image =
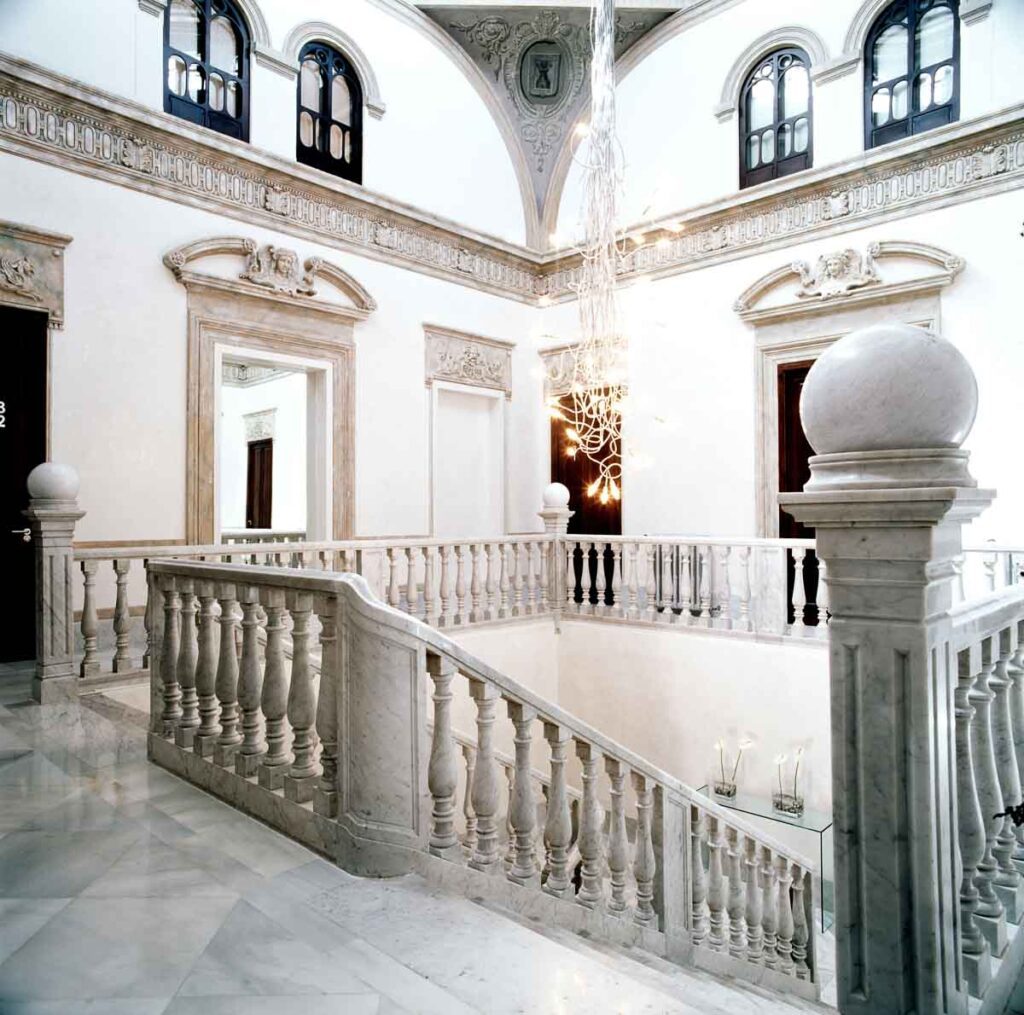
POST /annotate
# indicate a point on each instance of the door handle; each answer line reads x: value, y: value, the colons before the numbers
x: 26, y: 534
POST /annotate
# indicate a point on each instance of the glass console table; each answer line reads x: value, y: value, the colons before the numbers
x: 807, y: 825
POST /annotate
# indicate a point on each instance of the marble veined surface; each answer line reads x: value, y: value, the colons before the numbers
x: 125, y: 891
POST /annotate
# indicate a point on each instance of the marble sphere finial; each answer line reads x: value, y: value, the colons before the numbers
x: 886, y: 388
x: 556, y: 495
x: 50, y: 481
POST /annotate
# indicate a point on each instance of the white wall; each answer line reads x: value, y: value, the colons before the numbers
x: 468, y: 463
x: 437, y: 146
x: 119, y: 364
x: 678, y: 155
x: 287, y: 397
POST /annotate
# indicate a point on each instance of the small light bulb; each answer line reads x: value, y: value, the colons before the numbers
x: 604, y: 496
x: 570, y: 452
x: 592, y: 489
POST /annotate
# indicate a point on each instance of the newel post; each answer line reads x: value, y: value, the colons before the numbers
x: 52, y: 513
x: 556, y: 515
x: 886, y: 409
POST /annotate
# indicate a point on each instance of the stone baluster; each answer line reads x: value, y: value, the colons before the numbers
x: 505, y: 582
x: 990, y: 915
x: 970, y: 833
x: 821, y: 596
x: 989, y: 564
x: 469, y: 839
x: 250, y: 684
x: 394, y: 589
x: 644, y: 862
x: 523, y: 810
x: 510, y: 838
x: 476, y: 585
x: 650, y: 583
x: 517, y: 580
x: 300, y: 782
x: 601, y: 579
x: 618, y: 606
x: 737, y: 902
x: 753, y: 913
x: 801, y: 933
x: 90, y: 622
x: 570, y: 574
x: 491, y: 587
x: 442, y: 774
x: 784, y: 930
x: 1015, y: 671
x: 716, y: 885
x: 744, y: 559
x: 485, y: 780
x: 325, y: 798
x: 618, y: 844
x: 188, y: 651
x: 274, y: 701
x: 1008, y: 879
x: 544, y: 598
x: 206, y: 672
x: 460, y: 584
x: 169, y: 655
x: 226, y: 685
x: 148, y: 614
x: 632, y: 605
x: 122, y: 617
x: 698, y: 878
x: 531, y: 579
x: 591, y: 828
x: 412, y: 590
x: 444, y: 552
x: 685, y: 582
x: 558, y: 826
x: 725, y: 592
x: 429, y: 589
x: 706, y: 565
x: 799, y: 592
x: 769, y: 917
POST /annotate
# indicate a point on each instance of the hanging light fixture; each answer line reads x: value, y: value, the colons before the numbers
x: 592, y: 411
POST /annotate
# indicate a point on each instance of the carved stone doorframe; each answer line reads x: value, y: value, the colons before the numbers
x: 32, y: 278
x: 798, y: 311
x: 271, y: 310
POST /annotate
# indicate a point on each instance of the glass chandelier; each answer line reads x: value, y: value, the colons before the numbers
x: 592, y: 411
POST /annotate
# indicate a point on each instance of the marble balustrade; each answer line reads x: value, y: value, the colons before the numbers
x: 746, y: 585
x: 988, y: 638
x: 593, y: 829
x: 987, y: 568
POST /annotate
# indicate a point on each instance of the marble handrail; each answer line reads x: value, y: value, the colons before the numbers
x: 223, y: 709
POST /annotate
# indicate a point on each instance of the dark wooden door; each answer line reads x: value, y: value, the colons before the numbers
x: 22, y: 448
x: 259, y: 487
x: 590, y: 517
x: 794, y: 471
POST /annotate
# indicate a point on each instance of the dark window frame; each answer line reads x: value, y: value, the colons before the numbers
x: 333, y: 63
x: 798, y: 161
x: 201, y: 113
x: 915, y: 122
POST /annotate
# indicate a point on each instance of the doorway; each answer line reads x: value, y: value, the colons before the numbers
x: 22, y: 447
x: 259, y: 493
x: 795, y: 452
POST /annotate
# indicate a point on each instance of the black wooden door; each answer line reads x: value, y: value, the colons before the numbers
x: 794, y: 471
x: 259, y: 485
x: 22, y: 448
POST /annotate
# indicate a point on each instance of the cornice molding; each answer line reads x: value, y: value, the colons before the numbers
x: 310, y: 31
x: 973, y: 11
x: 60, y: 122
x: 154, y: 7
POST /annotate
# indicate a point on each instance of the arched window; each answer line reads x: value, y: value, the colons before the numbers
x: 206, y: 59
x: 775, y: 117
x: 911, y: 70
x: 329, y: 135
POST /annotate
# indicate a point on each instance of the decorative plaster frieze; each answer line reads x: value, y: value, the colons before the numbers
x: 247, y: 375
x: 464, y: 358
x: 85, y: 130
x: 32, y: 270
x: 55, y: 120
x: 260, y: 426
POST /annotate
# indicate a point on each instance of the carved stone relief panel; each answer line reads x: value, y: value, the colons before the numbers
x: 32, y: 270
x: 260, y: 426
x: 559, y: 367
x: 464, y: 358
x: 538, y: 62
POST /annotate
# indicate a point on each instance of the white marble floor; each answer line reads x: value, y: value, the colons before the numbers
x: 124, y: 891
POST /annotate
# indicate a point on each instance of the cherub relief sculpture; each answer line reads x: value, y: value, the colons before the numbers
x: 838, y: 273
x: 280, y: 269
